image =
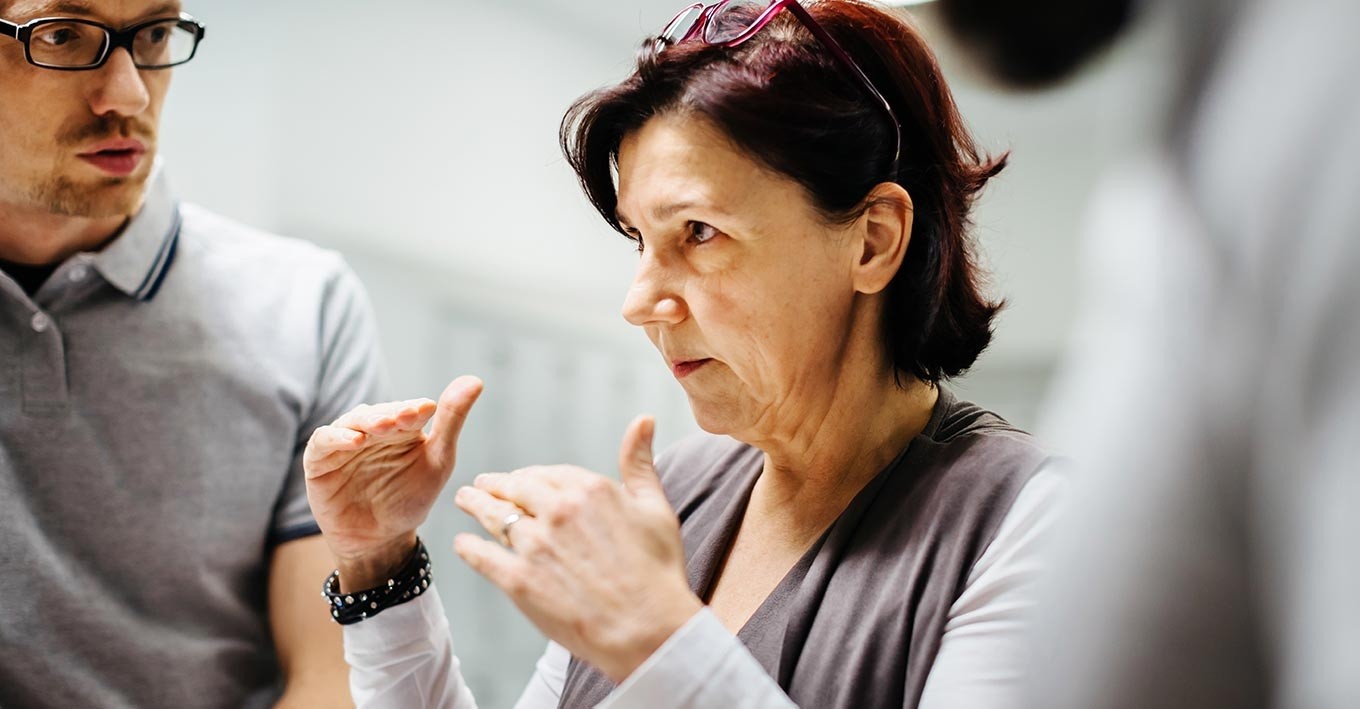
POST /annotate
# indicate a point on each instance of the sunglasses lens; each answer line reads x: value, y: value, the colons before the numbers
x: 733, y: 18
x: 680, y: 27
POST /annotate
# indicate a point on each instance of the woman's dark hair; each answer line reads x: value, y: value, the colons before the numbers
x: 783, y: 98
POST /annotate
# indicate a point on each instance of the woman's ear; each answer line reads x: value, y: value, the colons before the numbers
x: 884, y: 231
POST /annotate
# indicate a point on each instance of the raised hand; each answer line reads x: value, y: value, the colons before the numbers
x: 373, y: 475
x: 598, y: 566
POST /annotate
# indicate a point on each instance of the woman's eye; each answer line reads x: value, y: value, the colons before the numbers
x: 700, y: 232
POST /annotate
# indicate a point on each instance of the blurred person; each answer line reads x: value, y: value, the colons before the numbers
x: 797, y: 182
x: 1212, y: 395
x: 160, y: 371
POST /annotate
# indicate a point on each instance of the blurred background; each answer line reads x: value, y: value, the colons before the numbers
x: 420, y: 140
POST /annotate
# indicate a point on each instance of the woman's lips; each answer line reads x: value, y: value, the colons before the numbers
x: 685, y: 368
x: 116, y: 157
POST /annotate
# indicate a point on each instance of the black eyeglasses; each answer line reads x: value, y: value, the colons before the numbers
x: 69, y: 44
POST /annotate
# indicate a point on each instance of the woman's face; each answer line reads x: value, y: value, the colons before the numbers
x: 741, y: 285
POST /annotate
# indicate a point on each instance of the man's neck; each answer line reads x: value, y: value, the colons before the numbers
x: 37, y: 238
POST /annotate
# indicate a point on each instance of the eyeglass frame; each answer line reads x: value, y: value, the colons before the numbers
x: 115, y: 39
x: 696, y: 31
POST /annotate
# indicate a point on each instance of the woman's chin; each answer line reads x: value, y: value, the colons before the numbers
x: 718, y: 418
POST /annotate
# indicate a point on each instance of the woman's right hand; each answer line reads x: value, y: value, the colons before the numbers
x: 373, y: 475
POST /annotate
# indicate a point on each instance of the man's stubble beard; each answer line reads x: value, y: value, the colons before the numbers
x: 61, y: 194
x: 99, y: 199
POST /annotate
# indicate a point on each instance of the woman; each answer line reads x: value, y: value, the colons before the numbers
x: 797, y: 182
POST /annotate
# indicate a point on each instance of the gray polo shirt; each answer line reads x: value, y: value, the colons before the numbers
x: 155, y: 399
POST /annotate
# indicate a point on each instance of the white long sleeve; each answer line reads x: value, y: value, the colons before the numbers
x: 544, y: 690
x: 404, y: 657
x: 983, y: 653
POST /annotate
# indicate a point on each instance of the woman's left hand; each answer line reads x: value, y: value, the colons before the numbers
x: 597, y: 565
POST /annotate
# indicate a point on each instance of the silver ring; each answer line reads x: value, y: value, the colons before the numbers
x: 507, y: 523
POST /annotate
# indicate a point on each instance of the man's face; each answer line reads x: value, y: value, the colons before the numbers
x: 79, y: 143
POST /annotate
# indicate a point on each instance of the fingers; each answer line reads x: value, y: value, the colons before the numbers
x: 635, y: 459
x: 329, y: 448
x: 496, y: 563
x: 392, y: 418
x: 489, y: 511
x: 532, y: 489
x: 452, y: 413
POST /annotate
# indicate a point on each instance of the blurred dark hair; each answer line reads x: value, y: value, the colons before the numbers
x: 783, y: 99
x: 1036, y: 42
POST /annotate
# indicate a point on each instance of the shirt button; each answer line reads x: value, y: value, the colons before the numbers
x: 78, y: 274
x: 40, y: 322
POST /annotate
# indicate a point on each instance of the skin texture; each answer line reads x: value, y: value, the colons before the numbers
x: 309, y: 645
x: 738, y: 270
x: 53, y: 205
x: 373, y: 475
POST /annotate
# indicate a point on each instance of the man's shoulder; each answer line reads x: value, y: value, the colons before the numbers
x: 224, y: 245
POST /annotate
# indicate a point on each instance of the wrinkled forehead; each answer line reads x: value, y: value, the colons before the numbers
x: 112, y: 12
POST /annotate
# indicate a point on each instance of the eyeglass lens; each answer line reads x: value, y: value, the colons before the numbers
x: 731, y: 19
x: 682, y: 25
x: 72, y: 44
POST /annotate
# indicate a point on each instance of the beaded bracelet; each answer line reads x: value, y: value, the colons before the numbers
x: 349, y: 608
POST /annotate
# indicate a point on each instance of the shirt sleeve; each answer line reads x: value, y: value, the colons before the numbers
x: 403, y: 657
x: 701, y: 665
x: 349, y: 374
x: 544, y: 690
x: 982, y: 654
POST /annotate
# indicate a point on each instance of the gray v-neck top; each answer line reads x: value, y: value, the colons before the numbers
x: 858, y: 620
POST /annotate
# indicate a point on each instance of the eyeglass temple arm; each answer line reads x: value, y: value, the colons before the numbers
x: 9, y: 29
x: 845, y: 60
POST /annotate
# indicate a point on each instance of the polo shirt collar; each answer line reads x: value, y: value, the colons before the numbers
x: 137, y: 260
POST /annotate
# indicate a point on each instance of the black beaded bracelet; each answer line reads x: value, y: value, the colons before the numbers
x: 410, y: 581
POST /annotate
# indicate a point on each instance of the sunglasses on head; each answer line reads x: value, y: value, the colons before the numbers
x: 732, y: 22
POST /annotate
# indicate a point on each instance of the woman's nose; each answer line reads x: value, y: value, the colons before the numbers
x: 653, y: 297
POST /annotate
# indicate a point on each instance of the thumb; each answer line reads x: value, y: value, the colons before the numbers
x: 635, y: 459
x: 449, y: 416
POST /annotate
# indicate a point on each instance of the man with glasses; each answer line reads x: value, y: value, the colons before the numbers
x: 160, y: 371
